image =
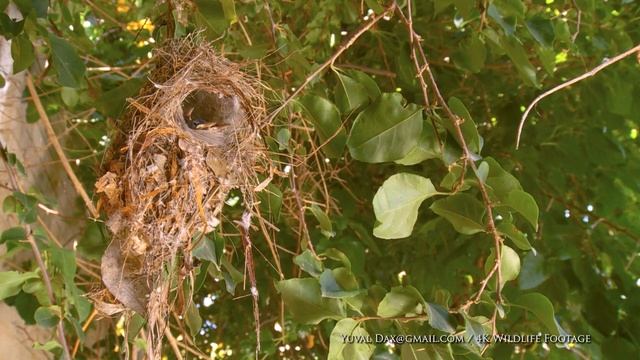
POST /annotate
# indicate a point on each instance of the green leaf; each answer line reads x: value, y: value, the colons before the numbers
x: 474, y: 330
x: 396, y: 204
x: 541, y: 307
x: 471, y: 54
x: 11, y: 282
x: 373, y: 91
x: 211, y: 14
x: 48, y: 316
x: 439, y: 318
x: 229, y: 9
x: 14, y: 233
x: 349, y: 93
x: 282, y: 137
x: 326, y: 120
x: 541, y: 29
x: 511, y: 7
x: 232, y: 276
x: 205, y: 250
x: 10, y: 28
x: 508, y: 23
x: 22, y: 53
x: 525, y: 204
x: 325, y: 224
x: 500, y: 181
x: 386, y: 130
x: 309, y: 263
x: 532, y: 273
x: 518, y: 238
x: 463, y: 211
x: 400, y: 301
x: 341, y: 348
x: 66, y: 62
x: 271, y: 201
x: 193, y: 319
x: 427, y: 147
x: 50, y: 346
x: 338, y: 283
x: 520, y: 59
x: 69, y: 96
x: 41, y: 7
x: 509, y: 264
x: 303, y: 298
x: 112, y: 103
x: 469, y: 130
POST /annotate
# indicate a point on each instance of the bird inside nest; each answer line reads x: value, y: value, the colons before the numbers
x: 203, y: 110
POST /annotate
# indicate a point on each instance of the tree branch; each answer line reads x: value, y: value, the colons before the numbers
x: 58, y: 148
x: 566, y: 84
x: 343, y: 47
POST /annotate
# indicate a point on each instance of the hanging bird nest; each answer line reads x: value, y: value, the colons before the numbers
x: 192, y: 135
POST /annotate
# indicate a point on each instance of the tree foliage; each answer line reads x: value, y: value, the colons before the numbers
x: 423, y: 218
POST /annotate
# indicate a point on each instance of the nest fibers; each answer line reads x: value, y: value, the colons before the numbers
x: 191, y: 136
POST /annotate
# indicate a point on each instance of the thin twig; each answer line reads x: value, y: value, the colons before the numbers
x: 566, y: 84
x: 414, y: 39
x: 343, y: 47
x: 457, y: 121
x: 58, y: 148
x: 173, y: 343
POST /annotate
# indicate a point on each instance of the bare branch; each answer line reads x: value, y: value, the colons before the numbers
x: 51, y: 134
x: 566, y: 84
x: 343, y: 47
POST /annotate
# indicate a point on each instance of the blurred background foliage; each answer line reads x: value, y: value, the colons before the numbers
x: 579, y: 160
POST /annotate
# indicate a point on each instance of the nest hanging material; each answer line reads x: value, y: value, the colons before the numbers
x: 191, y: 136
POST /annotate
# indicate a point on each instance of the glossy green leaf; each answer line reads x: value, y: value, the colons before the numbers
x: 211, y: 14
x: 532, y: 273
x: 469, y: 130
x: 396, y: 204
x: 471, y: 54
x: 14, y: 233
x: 386, y: 130
x: 22, y: 53
x: 68, y: 65
x: 338, y: 283
x: 541, y: 29
x: 350, y: 94
x: 427, y: 147
x: 463, y: 211
x: 516, y: 52
x: 525, y: 204
x: 439, y: 318
x: 205, y: 249
x: 303, y: 299
x: 11, y: 282
x: 541, y: 307
x: 192, y: 319
x: 48, y: 316
x: 309, y: 263
x: 509, y: 264
x: 229, y: 9
x: 341, y: 347
x: 373, y: 91
x: 325, y: 223
x: 326, y: 120
x: 515, y: 235
x: 400, y: 301
x: 500, y: 181
x: 113, y: 102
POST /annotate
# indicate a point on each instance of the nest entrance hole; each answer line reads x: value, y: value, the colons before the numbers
x: 203, y: 110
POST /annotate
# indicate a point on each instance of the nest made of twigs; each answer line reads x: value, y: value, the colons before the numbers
x: 191, y: 136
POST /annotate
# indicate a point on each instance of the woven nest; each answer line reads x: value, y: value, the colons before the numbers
x: 191, y: 136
